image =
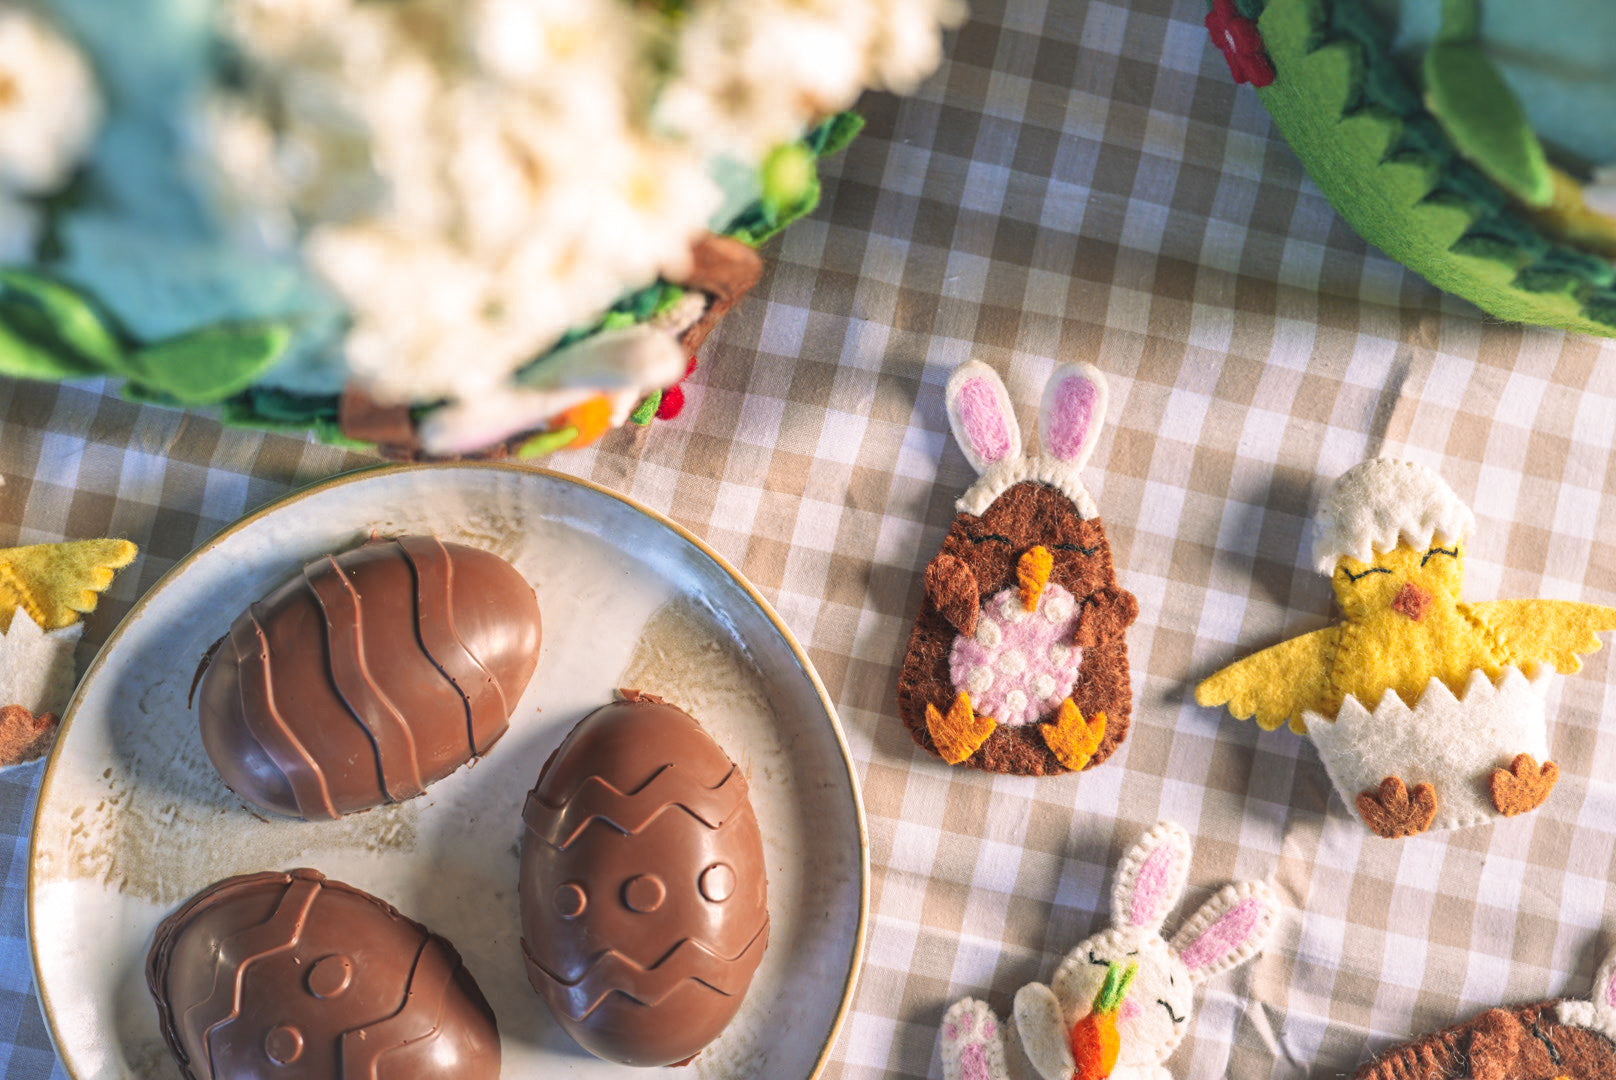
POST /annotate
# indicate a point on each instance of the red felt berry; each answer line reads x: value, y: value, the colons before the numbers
x: 1241, y: 42
x: 673, y: 403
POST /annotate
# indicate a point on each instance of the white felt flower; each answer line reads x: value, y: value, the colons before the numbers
x: 49, y: 106
x: 36, y: 666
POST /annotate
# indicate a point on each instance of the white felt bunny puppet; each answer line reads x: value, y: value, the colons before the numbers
x: 1228, y: 930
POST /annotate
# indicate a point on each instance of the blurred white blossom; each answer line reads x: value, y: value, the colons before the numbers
x: 475, y: 177
x: 49, y: 111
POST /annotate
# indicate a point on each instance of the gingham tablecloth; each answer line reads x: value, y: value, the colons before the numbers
x: 1081, y: 180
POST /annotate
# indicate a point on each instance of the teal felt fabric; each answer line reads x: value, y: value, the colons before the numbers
x: 1559, y: 56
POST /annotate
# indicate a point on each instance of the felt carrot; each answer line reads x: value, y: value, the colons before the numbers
x: 1095, y: 1042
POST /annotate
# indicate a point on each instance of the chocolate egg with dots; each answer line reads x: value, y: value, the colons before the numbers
x: 369, y: 676
x: 643, y: 886
x: 293, y: 976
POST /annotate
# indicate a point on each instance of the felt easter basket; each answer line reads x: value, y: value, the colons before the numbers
x: 1326, y: 73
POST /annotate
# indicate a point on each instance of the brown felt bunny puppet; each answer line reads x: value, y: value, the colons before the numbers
x: 1551, y: 1040
x: 1018, y: 661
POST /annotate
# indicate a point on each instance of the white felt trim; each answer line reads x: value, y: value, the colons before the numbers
x: 1380, y: 503
x: 36, y: 666
x: 967, y: 372
x: 1170, y: 840
x: 1051, y: 434
x: 1599, y: 1012
x: 1237, y: 950
x: 1043, y: 1033
x: 972, y: 1043
x: 1452, y: 742
x: 998, y: 479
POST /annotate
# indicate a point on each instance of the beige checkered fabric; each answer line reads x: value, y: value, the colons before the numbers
x: 1081, y: 180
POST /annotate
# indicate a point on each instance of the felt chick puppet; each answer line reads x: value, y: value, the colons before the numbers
x: 1548, y: 1040
x: 1018, y: 662
x: 1121, y: 1001
x: 1428, y: 712
x: 44, y: 589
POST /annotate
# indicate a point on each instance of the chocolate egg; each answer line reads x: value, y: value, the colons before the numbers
x: 643, y: 888
x: 296, y: 977
x: 369, y: 676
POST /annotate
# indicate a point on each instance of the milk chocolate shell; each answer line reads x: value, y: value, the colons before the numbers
x: 369, y: 676
x: 643, y: 888
x: 296, y: 977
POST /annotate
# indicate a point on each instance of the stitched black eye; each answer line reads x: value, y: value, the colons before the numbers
x: 1372, y: 570
x: 1090, y: 551
x: 1452, y: 551
x: 1177, y: 1019
x: 1096, y: 960
x: 982, y: 538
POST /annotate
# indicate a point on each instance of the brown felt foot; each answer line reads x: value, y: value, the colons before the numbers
x: 1523, y: 786
x: 1072, y: 739
x: 960, y: 731
x: 1395, y: 812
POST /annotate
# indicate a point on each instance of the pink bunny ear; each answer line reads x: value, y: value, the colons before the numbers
x: 1073, y: 410
x: 1151, y: 878
x: 980, y: 413
x: 1230, y: 929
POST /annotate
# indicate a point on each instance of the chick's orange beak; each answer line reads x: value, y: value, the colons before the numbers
x: 1412, y: 601
x: 1032, y: 574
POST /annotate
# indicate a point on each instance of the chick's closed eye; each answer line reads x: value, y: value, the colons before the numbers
x: 1452, y: 552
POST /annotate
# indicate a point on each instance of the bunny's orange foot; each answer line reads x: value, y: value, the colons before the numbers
x: 959, y: 732
x: 1072, y: 739
x: 1395, y: 811
x: 1524, y: 786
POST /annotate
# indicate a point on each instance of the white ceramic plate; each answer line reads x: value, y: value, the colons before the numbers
x: 133, y: 819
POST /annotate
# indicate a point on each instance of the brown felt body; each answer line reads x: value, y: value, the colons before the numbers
x: 1525, y: 1043
x: 1027, y: 515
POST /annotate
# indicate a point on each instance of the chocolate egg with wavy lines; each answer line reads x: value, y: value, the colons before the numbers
x: 369, y: 676
x: 643, y: 885
x: 293, y: 976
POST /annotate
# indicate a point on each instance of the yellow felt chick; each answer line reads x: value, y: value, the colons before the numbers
x: 56, y: 583
x: 1411, y: 654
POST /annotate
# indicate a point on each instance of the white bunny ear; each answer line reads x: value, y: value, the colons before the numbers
x: 980, y: 413
x: 1599, y: 1012
x: 1151, y: 878
x: 1072, y: 411
x: 1230, y: 929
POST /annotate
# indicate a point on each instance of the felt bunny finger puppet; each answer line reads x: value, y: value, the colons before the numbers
x: 1121, y: 1001
x: 1551, y: 1040
x: 1018, y: 661
x: 1428, y: 711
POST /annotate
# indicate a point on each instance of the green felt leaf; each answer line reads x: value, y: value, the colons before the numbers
x: 834, y: 134
x: 546, y: 442
x: 1485, y: 120
x: 56, y: 319
x: 788, y: 173
x: 1417, y: 207
x: 28, y: 349
x: 211, y: 364
x: 645, y: 411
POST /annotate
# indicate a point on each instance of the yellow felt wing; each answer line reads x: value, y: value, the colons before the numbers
x: 1536, y: 632
x: 55, y: 583
x: 1277, y: 684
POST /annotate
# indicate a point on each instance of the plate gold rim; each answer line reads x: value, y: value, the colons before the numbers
x: 353, y: 476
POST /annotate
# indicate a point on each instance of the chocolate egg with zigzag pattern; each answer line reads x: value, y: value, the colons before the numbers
x: 369, y: 676
x: 298, y: 977
x: 643, y: 886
